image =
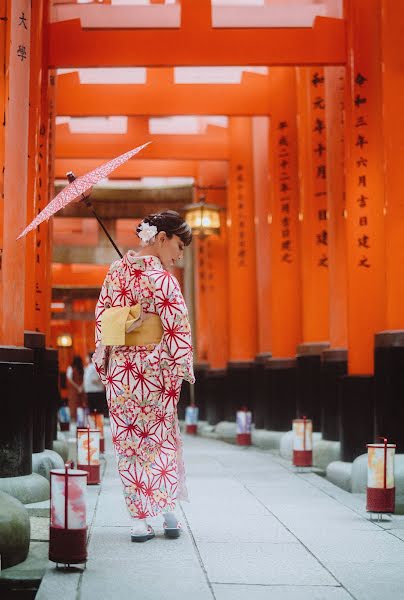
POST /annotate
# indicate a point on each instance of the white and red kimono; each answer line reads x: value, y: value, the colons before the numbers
x: 143, y: 385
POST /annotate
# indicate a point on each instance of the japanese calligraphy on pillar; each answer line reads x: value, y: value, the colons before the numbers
x: 360, y: 158
x: 22, y: 36
x: 284, y: 181
x: 202, y: 266
x: 210, y: 273
x: 202, y: 300
x: 41, y: 231
x: 319, y: 151
x: 241, y: 216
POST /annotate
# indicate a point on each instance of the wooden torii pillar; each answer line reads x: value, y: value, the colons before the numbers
x: 365, y: 204
x: 242, y: 317
x: 314, y: 240
x: 284, y: 305
x: 389, y: 351
x: 16, y: 360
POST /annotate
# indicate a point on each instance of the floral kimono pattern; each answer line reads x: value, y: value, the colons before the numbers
x: 143, y: 385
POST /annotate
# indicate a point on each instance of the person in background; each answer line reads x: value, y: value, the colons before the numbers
x: 94, y: 388
x: 75, y: 390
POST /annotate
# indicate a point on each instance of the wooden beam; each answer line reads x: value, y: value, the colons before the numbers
x: 161, y: 96
x: 135, y: 169
x: 130, y: 203
x: 212, y: 145
x: 197, y: 43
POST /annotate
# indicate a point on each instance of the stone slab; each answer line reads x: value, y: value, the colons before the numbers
x: 262, y: 564
x: 273, y: 592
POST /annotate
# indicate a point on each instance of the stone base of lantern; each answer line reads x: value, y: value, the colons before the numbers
x: 93, y: 473
x: 244, y: 439
x: 302, y: 458
x: 380, y: 500
x: 192, y: 429
x: 67, y: 546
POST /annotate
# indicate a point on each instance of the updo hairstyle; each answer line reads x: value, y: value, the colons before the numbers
x: 172, y: 223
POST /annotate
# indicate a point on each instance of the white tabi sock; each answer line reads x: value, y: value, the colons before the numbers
x: 170, y: 520
x: 139, y: 527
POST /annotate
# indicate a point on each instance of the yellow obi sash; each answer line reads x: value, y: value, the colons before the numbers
x: 129, y: 326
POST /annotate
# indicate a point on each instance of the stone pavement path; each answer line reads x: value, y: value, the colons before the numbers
x: 254, y: 529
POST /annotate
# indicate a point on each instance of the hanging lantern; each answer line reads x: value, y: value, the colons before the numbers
x: 302, y: 442
x: 381, y: 489
x: 191, y: 419
x: 203, y: 218
x: 88, y: 453
x: 243, y: 427
x: 96, y: 421
x: 64, y: 418
x: 64, y: 341
x: 68, y: 525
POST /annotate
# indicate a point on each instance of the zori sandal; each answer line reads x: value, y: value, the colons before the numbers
x: 143, y: 537
x: 172, y: 528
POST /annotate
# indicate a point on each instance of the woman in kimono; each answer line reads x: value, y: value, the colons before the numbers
x: 143, y: 353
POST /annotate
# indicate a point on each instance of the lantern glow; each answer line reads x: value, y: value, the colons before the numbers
x: 243, y: 427
x: 381, y: 486
x: 191, y: 419
x: 88, y: 453
x: 68, y: 522
x: 302, y: 442
x: 203, y: 219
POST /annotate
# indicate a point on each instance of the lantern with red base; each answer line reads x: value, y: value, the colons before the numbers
x: 82, y: 416
x: 68, y: 526
x: 64, y: 418
x: 191, y: 419
x: 381, y: 491
x: 243, y: 427
x: 96, y: 421
x: 88, y: 453
x: 302, y: 442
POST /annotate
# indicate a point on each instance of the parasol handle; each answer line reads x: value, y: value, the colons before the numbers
x: 86, y: 199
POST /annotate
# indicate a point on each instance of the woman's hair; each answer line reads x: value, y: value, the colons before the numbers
x: 78, y: 364
x: 172, y: 223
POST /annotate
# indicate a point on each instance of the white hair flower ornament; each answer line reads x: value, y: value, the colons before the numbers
x: 146, y: 232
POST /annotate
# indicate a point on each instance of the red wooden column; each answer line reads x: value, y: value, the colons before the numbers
x: 37, y: 244
x: 242, y: 308
x: 313, y: 203
x: 201, y: 301
x: 365, y: 204
x: 389, y: 351
x: 393, y: 122
x: 364, y: 184
x: 50, y: 171
x: 336, y: 212
x: 283, y: 304
x: 212, y: 298
x: 3, y: 95
x: 242, y: 277
x: 313, y: 240
x: 15, y: 172
x: 262, y: 232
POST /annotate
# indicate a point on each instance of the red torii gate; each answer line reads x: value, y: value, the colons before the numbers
x: 196, y: 43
